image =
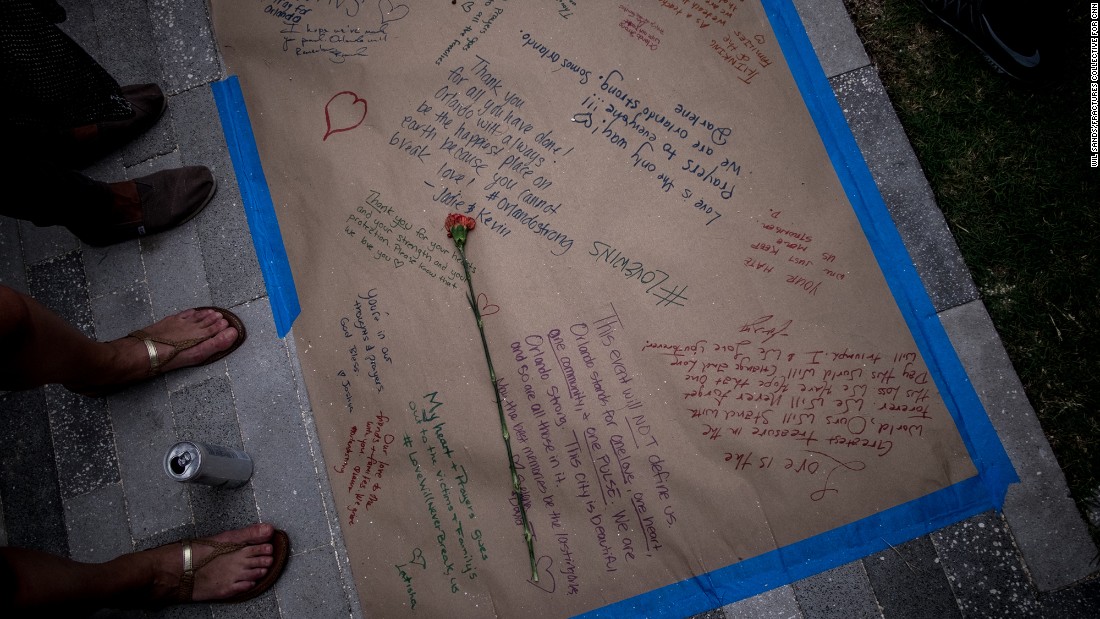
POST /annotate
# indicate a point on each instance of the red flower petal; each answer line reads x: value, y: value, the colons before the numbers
x: 458, y: 219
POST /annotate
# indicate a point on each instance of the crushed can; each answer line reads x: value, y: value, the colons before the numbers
x: 204, y: 463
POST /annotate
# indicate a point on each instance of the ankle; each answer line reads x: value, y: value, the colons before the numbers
x: 115, y: 362
x: 125, y: 203
x: 137, y: 577
x: 164, y: 566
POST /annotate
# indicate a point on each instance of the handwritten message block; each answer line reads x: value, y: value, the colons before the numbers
x: 699, y: 358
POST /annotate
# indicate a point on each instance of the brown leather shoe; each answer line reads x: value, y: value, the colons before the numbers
x: 91, y: 142
x: 151, y: 204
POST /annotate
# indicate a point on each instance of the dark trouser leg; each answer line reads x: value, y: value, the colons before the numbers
x: 51, y: 196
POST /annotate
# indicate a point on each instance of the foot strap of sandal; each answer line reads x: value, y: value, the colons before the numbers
x: 187, y: 580
x: 154, y: 363
x: 151, y: 347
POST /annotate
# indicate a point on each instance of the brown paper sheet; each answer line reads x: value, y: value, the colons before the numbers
x: 699, y: 357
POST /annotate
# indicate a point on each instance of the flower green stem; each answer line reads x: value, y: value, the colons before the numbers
x: 500, y: 411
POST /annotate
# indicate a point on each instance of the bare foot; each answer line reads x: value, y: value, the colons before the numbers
x: 208, y: 327
x: 223, y: 577
x: 191, y: 324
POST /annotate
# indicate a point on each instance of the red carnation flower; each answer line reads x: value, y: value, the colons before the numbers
x: 458, y: 219
x: 457, y: 226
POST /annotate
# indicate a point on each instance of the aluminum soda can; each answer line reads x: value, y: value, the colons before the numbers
x: 204, y: 463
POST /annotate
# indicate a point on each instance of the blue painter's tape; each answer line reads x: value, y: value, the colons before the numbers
x: 258, y: 207
x: 977, y: 431
x: 904, y: 522
x: 796, y: 561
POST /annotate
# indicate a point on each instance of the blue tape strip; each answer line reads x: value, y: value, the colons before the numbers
x: 904, y: 522
x: 966, y: 409
x: 258, y: 207
x: 806, y: 558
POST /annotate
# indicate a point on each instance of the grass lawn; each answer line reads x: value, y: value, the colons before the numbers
x: 1009, y: 165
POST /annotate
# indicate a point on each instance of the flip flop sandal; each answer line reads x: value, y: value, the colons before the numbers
x: 280, y: 543
x: 156, y: 361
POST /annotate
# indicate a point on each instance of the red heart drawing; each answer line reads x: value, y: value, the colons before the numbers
x: 342, y: 113
x: 487, y: 309
x: 391, y: 12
